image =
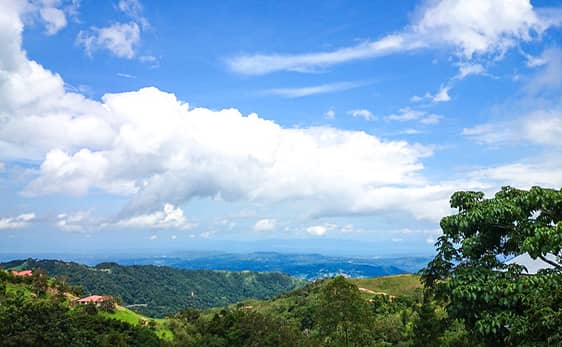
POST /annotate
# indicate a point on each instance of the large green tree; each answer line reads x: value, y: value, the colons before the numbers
x: 499, y: 304
x: 343, y: 317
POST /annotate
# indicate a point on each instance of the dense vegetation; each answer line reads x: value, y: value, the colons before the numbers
x: 498, y: 303
x: 37, y: 312
x: 165, y: 290
x: 332, y: 312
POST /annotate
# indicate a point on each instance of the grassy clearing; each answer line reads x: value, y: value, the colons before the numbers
x: 12, y: 288
x: 397, y: 285
x: 125, y: 315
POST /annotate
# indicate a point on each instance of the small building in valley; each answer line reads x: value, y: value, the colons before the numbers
x: 93, y: 299
x: 24, y: 273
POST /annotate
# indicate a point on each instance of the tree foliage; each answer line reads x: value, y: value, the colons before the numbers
x: 499, y: 304
x: 344, y: 318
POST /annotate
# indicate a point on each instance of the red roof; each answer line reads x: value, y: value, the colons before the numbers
x: 92, y: 298
x: 24, y: 273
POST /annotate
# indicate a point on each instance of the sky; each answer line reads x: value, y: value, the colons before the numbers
x: 333, y: 126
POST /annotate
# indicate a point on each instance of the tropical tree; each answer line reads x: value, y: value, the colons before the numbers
x: 499, y: 304
x: 344, y: 318
x: 40, y: 281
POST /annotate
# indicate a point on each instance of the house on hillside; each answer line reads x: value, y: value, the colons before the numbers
x: 24, y: 273
x: 97, y: 300
x: 532, y: 266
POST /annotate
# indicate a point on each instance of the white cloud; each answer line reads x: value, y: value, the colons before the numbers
x: 549, y: 77
x: 313, y: 90
x: 431, y: 119
x: 76, y: 222
x: 153, y: 237
x: 534, y: 61
x: 317, y: 230
x: 442, y: 95
x: 545, y: 171
x: 262, y: 64
x: 124, y: 75
x: 362, y: 113
x: 134, y: 9
x: 265, y: 224
x: 407, y: 114
x: 169, y: 217
x: 330, y: 114
x: 17, y: 222
x: 542, y: 127
x: 54, y: 18
x: 150, y: 60
x: 121, y: 39
x: 472, y: 28
x: 467, y: 69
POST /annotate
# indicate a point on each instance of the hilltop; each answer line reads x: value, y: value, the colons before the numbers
x: 42, y: 311
x: 159, y: 290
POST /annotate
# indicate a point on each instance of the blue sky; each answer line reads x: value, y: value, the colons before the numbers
x: 161, y: 126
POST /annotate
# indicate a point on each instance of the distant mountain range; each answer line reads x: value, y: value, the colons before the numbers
x: 304, y: 266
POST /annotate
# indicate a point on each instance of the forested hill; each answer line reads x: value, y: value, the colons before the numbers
x: 158, y: 291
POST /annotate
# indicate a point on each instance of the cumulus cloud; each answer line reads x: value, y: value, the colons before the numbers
x: 120, y: 39
x: 267, y: 224
x: 169, y: 217
x: 76, y: 222
x: 203, y: 153
x: 362, y: 113
x: 52, y: 14
x: 317, y: 230
x: 17, y: 222
x: 472, y: 28
x: 323, y: 229
x: 54, y: 18
x: 330, y: 114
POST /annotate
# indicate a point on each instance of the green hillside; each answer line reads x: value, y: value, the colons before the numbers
x: 160, y: 325
x: 330, y: 312
x: 159, y: 291
x: 39, y: 311
x: 397, y: 285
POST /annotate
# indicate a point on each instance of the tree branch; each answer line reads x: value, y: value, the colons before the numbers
x: 553, y: 263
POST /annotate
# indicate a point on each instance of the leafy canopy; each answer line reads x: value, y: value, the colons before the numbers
x: 499, y: 304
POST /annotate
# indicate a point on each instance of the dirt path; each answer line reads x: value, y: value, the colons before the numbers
x: 365, y: 290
